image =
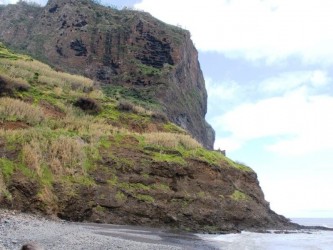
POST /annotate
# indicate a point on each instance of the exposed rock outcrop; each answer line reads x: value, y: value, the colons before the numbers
x: 113, y: 162
x: 127, y: 48
x: 195, y: 196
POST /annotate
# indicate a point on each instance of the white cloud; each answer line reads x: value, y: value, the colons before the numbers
x: 228, y: 143
x: 225, y: 91
x: 41, y: 2
x: 254, y: 29
x: 300, y: 195
x: 7, y: 2
x: 291, y: 80
x: 303, y: 123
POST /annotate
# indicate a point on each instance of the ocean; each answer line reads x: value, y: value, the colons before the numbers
x: 307, y: 240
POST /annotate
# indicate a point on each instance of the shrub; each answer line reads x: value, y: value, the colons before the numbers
x: 67, y: 155
x: 238, y: 196
x: 124, y: 105
x: 8, y: 85
x: 34, y: 70
x: 89, y: 105
x: 6, y: 168
x: 32, y: 156
x: 171, y: 140
x: 14, y: 110
x: 64, y: 155
x: 159, y: 116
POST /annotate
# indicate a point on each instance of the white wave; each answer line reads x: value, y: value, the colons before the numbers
x: 314, y: 240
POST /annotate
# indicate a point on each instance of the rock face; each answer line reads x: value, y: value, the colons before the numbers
x: 198, y: 196
x: 84, y: 166
x: 155, y: 61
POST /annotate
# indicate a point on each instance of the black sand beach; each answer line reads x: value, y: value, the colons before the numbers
x: 17, y: 229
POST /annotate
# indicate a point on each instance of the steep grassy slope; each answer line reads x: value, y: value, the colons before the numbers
x: 71, y: 149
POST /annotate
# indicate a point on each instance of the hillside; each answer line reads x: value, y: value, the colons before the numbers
x: 146, y: 58
x: 70, y: 149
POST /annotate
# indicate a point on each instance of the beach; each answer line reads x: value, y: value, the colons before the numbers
x: 17, y: 229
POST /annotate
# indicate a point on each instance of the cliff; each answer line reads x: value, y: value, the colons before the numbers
x: 77, y: 150
x: 148, y: 59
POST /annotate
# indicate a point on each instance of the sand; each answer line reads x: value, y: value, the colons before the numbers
x: 17, y: 229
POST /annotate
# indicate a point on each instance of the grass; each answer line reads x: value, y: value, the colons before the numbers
x: 7, y: 168
x: 133, y: 187
x: 238, y: 165
x: 144, y: 198
x: 64, y: 144
x: 238, y: 196
x: 161, y: 187
x: 16, y: 110
x: 149, y: 70
x: 7, y: 54
x: 10, y: 85
x: 171, y: 140
x: 161, y: 157
x: 143, y: 98
x: 173, y: 128
x: 211, y: 157
x: 41, y: 73
x: 62, y: 155
x: 120, y: 196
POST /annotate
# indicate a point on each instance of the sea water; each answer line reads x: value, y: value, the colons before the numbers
x: 303, y: 240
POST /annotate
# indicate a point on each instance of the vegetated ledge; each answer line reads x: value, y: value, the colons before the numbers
x: 70, y: 150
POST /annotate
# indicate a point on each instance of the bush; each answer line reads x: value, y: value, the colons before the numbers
x: 159, y: 116
x: 9, y: 85
x: 64, y: 155
x: 89, y: 105
x: 16, y: 110
x: 124, y: 105
x: 172, y: 140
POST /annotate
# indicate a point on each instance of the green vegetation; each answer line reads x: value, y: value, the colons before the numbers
x: 161, y: 187
x: 59, y: 130
x: 145, y: 198
x: 120, y: 196
x: 170, y: 158
x: 238, y: 196
x: 133, y: 187
x: 7, y: 54
x: 142, y: 97
x: 7, y: 168
x: 149, y: 70
x: 172, y: 128
x: 16, y: 110
x: 171, y: 140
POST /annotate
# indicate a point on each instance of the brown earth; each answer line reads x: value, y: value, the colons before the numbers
x: 50, y: 110
x: 130, y: 187
x: 13, y: 125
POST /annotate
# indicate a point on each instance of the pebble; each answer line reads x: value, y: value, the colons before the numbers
x: 18, y: 229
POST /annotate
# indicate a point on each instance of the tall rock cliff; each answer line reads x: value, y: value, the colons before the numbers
x: 68, y: 149
x: 151, y: 60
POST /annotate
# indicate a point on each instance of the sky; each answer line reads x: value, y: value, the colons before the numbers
x: 268, y: 71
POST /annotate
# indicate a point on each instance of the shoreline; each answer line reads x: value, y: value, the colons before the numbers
x: 17, y: 229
